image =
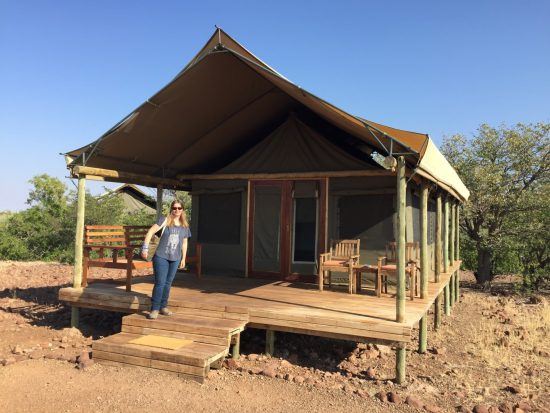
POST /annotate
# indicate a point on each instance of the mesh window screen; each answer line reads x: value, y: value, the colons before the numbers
x: 220, y: 218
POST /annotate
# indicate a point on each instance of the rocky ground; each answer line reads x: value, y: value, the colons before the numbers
x: 492, y: 354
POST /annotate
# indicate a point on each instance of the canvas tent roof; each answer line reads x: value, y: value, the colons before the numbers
x: 133, y: 198
x: 224, y: 102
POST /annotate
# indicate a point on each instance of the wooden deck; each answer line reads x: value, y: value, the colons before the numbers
x: 273, y: 305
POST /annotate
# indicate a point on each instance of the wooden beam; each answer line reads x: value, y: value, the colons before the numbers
x: 424, y: 264
x: 401, y: 227
x: 288, y: 175
x: 78, y: 245
x: 160, y: 190
x: 452, y: 283
x: 118, y: 176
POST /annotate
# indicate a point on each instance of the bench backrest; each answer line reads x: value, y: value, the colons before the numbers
x: 106, y: 235
x: 115, y: 235
x: 344, y: 248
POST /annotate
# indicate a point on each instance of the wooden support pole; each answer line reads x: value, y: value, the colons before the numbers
x: 159, y: 201
x: 438, y: 246
x: 79, y: 243
x: 437, y: 312
x: 446, y: 299
x: 446, y: 236
x: 401, y: 351
x: 401, y: 225
x: 424, y: 265
x: 423, y: 334
x: 457, y: 250
x: 269, y: 342
x: 236, y: 350
x: 452, y: 284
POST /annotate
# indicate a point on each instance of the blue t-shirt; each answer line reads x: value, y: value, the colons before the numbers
x: 171, y: 241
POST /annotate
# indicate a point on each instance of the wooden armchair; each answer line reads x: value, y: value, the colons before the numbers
x: 388, y: 265
x: 342, y: 257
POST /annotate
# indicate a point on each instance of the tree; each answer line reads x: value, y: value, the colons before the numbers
x: 49, y: 194
x: 507, y: 171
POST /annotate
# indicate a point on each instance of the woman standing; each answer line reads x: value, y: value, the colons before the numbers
x: 170, y: 254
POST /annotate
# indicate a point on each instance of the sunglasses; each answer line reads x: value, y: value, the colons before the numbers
x: 177, y: 208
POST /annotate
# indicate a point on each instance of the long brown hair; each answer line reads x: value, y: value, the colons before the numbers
x: 170, y: 222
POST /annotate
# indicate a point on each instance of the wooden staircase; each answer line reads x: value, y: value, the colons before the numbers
x: 210, y: 338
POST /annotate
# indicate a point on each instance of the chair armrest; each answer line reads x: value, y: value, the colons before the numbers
x: 324, y: 257
x: 382, y: 260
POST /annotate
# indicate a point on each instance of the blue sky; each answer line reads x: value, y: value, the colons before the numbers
x: 69, y: 70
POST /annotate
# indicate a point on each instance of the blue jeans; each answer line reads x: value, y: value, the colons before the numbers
x: 165, y: 271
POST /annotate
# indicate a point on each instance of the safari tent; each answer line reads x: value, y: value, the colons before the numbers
x: 275, y: 174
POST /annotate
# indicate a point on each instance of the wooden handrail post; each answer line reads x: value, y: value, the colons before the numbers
x: 452, y: 282
x: 424, y: 265
x: 79, y: 243
x: 401, y: 225
x: 446, y: 291
x: 423, y: 334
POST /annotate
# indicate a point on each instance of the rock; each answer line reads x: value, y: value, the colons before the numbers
x: 36, y: 355
x: 256, y: 370
x: 382, y: 396
x: 7, y: 361
x: 432, y: 408
x: 17, y: 350
x: 232, y: 364
x: 493, y: 409
x: 370, y: 373
x: 393, y: 397
x: 506, y: 407
x: 481, y: 408
x: 514, y: 389
x: 463, y: 409
x: 253, y: 357
x: 383, y: 350
x: 84, y: 364
x: 289, y: 377
x: 269, y: 372
x: 414, y: 402
x: 518, y: 410
x: 524, y: 405
x: 440, y: 351
x: 372, y: 354
x: 348, y: 388
x: 285, y: 363
x: 299, y: 379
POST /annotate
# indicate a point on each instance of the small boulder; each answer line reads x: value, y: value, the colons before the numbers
x: 440, y: 351
x: 252, y: 357
x: 370, y: 373
x: 84, y: 364
x: 481, y: 408
x: 432, y: 408
x: 524, y: 405
x: 506, y: 407
x: 232, y: 364
x: 7, y: 361
x: 269, y: 372
x: 382, y: 396
x: 299, y: 379
x: 393, y: 397
x: 414, y: 402
x: 289, y: 377
x: 17, y: 350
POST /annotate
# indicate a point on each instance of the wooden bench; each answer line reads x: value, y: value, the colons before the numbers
x: 126, y: 239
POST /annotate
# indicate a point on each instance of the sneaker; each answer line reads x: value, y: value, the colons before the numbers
x: 165, y: 311
x: 153, y: 315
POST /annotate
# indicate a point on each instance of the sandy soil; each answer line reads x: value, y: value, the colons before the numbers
x: 492, y: 353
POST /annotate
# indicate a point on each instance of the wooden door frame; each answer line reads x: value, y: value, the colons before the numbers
x: 285, y: 240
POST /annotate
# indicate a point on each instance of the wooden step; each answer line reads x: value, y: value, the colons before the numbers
x: 185, y: 323
x: 193, y: 360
